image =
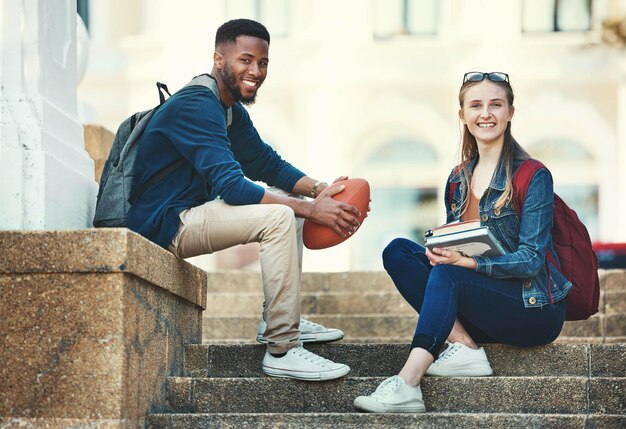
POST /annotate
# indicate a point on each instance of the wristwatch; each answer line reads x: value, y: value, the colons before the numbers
x: 314, y: 191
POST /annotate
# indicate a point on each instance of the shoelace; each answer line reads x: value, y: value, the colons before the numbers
x: 447, y: 353
x: 387, y: 387
x: 312, y: 357
x: 310, y: 325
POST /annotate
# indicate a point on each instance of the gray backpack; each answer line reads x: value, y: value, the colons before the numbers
x: 114, y: 196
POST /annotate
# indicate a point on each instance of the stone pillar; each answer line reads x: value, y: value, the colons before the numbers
x: 46, y: 177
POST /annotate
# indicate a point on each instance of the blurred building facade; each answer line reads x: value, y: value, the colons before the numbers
x: 368, y: 88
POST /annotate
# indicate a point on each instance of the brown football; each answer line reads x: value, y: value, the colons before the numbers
x: 357, y: 194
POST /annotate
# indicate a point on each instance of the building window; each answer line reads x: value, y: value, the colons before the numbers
x: 556, y: 15
x: 409, y: 17
x: 274, y: 14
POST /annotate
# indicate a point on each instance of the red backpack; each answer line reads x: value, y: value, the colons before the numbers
x: 570, y: 239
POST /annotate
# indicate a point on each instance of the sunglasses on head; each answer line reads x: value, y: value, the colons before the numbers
x: 480, y: 76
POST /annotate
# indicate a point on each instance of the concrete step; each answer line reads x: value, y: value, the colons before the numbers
x: 388, y: 327
x: 358, y: 293
x: 613, y: 280
x: 368, y: 360
x: 248, y: 303
x: 406, y: 339
x: 331, y: 302
x: 383, y: 421
x: 577, y: 382
x: 354, y: 281
x: 614, y: 302
x: 354, y: 326
x: 533, y: 394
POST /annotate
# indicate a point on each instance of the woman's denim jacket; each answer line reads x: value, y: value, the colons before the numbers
x: 525, y: 242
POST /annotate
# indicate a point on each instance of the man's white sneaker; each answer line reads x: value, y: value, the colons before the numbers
x: 301, y: 364
x: 458, y: 360
x: 309, y: 333
x: 392, y: 396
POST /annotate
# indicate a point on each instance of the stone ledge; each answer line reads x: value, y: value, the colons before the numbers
x: 93, y: 322
x: 103, y: 250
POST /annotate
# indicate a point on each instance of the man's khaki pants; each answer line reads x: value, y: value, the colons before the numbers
x: 216, y: 225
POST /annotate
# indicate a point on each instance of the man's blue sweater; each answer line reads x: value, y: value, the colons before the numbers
x: 192, y: 124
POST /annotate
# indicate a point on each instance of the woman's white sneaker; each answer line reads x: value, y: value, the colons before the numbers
x: 301, y: 364
x: 458, y: 360
x: 310, y: 332
x: 392, y: 396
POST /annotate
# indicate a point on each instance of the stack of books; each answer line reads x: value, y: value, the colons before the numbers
x: 467, y: 237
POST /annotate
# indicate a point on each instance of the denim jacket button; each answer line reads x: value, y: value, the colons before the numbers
x: 496, y: 211
x: 527, y: 283
x: 532, y: 300
x: 484, y: 218
x: 453, y: 206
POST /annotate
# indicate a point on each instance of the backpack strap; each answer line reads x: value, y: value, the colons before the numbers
x: 205, y: 80
x: 521, y: 182
x: 155, y: 179
x: 133, y: 121
x: 451, y: 190
x: 453, y: 185
x: 209, y: 81
x: 134, y: 196
x: 162, y: 87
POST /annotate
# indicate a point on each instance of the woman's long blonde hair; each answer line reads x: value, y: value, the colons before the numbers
x: 511, y: 150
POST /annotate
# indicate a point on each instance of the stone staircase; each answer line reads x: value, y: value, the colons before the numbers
x: 368, y: 308
x: 577, y: 382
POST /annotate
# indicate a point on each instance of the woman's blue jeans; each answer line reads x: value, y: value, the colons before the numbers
x: 490, y: 309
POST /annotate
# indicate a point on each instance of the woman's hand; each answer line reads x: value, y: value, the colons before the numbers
x: 449, y: 257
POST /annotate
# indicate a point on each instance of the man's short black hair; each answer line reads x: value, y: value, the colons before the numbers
x: 229, y: 31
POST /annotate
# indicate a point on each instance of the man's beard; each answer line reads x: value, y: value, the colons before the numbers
x: 231, y: 81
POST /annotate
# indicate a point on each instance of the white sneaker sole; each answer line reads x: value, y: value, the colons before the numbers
x: 306, y: 375
x: 321, y: 337
x: 364, y: 403
x: 475, y: 370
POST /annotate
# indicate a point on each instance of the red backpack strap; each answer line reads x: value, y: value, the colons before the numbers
x: 521, y: 181
x: 453, y: 185
x: 451, y: 190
